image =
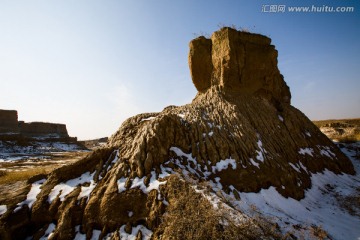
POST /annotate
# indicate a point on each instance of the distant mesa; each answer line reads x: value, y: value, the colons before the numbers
x: 9, y: 125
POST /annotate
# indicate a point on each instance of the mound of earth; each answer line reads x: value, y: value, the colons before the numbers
x: 186, y: 172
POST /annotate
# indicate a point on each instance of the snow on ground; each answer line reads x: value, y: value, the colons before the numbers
x: 146, y: 233
x: 147, y: 119
x: 254, y: 163
x: 325, y: 151
x: 324, y: 204
x: 11, y: 151
x: 63, y: 189
x: 49, y: 231
x: 224, y: 164
x: 304, y: 151
x: 31, y: 196
x: 321, y: 205
x: 79, y: 235
x: 260, y: 154
x: 137, y: 182
x: 3, y: 209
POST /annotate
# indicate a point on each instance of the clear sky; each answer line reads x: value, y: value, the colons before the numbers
x: 93, y: 63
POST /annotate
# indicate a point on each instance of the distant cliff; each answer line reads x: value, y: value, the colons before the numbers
x: 9, y: 125
x: 9, y: 121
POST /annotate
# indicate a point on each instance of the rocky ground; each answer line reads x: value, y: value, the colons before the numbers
x: 341, y: 130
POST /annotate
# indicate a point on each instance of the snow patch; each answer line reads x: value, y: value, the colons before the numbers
x: 31, y: 196
x: 260, y: 155
x: 147, y: 119
x: 63, y: 189
x: 49, y: 231
x: 254, y: 163
x: 130, y: 213
x: 121, y: 184
x: 137, y: 182
x: 146, y: 233
x: 95, y: 234
x: 319, y: 207
x: 304, y: 151
x: 3, y: 209
x: 295, y: 168
x: 281, y: 118
x: 79, y: 235
x: 224, y: 164
x: 153, y: 184
x: 325, y: 151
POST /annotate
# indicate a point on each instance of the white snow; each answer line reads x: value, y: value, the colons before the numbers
x: 116, y: 158
x: 85, y: 191
x: 317, y: 208
x: 121, y: 184
x: 3, y: 209
x: 146, y: 233
x: 63, y: 189
x: 95, y: 234
x: 180, y: 153
x: 130, y: 213
x: 48, y: 232
x: 181, y: 115
x: 308, y: 151
x: 281, y: 118
x: 303, y: 167
x: 308, y: 134
x: 153, y: 184
x: 137, y: 182
x: 147, y: 119
x: 31, y: 196
x: 79, y: 235
x: 321, y: 205
x: 210, y: 133
x: 295, y: 168
x: 260, y: 155
x: 325, y: 151
x: 224, y: 164
x: 254, y: 163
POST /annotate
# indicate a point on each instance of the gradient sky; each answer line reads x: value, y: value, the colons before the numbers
x: 92, y: 64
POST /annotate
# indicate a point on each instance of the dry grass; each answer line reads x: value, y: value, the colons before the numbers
x: 354, y: 121
x: 14, y: 176
x: 23, y: 170
x: 191, y: 216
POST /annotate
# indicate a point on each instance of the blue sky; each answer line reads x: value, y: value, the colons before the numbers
x: 92, y: 64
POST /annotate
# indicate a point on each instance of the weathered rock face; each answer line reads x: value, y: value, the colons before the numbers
x: 231, y: 137
x: 8, y: 121
x: 38, y: 129
x: 239, y: 63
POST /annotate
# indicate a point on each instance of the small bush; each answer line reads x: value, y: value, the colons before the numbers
x: 2, y: 173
